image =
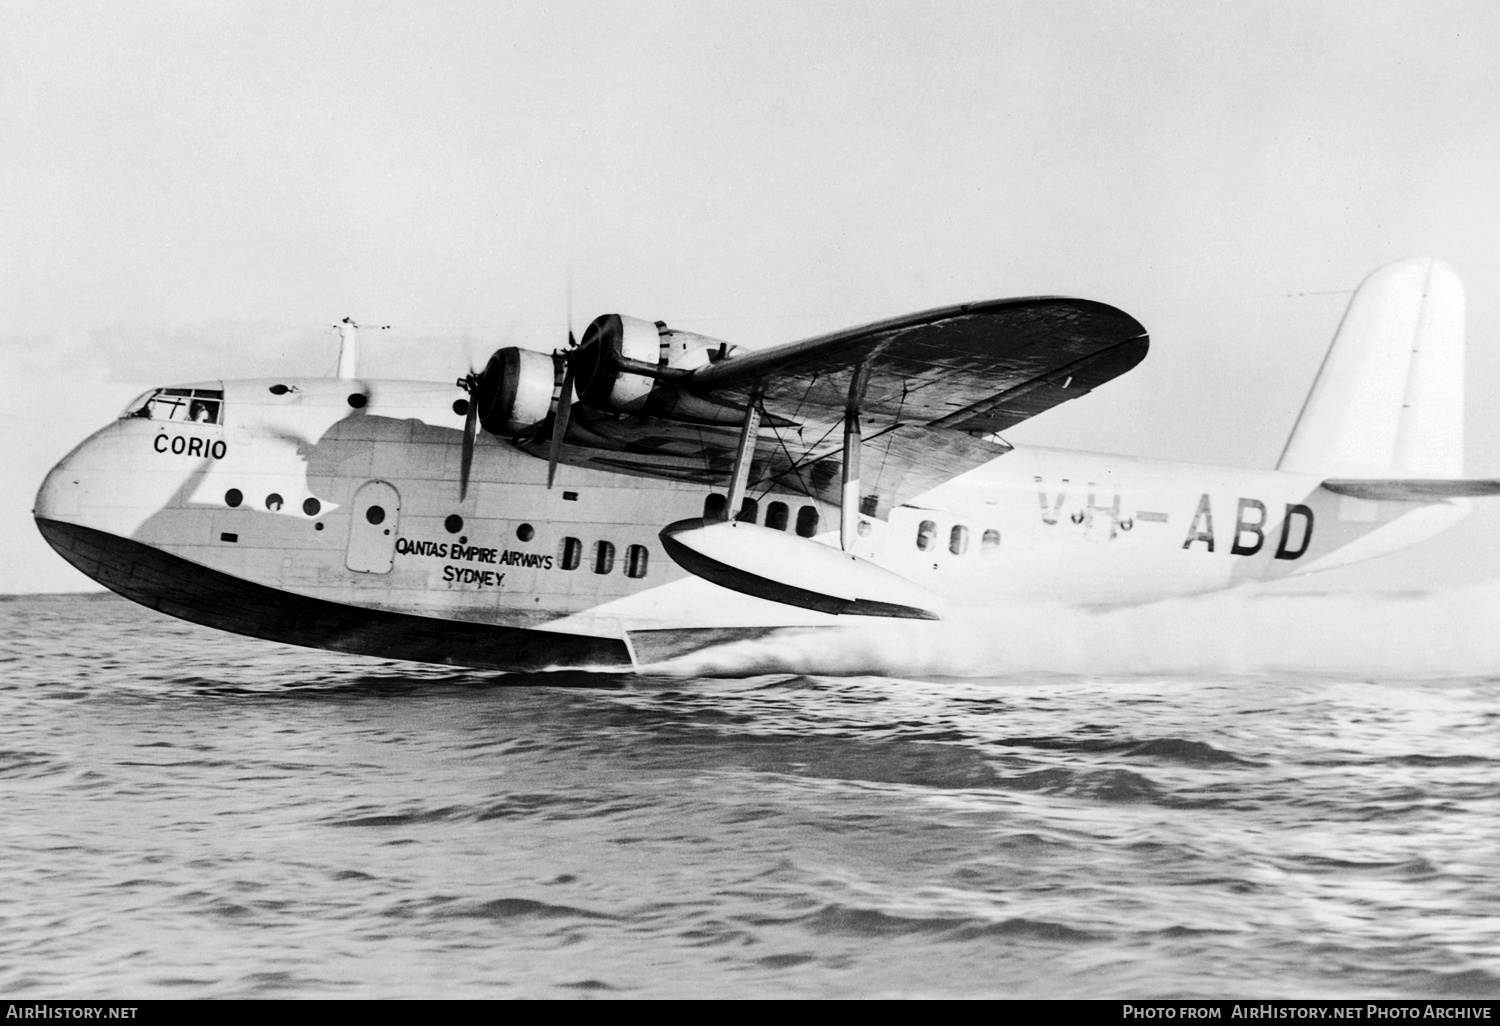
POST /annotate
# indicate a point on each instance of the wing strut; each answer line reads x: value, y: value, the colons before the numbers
x: 849, y: 494
x: 849, y: 498
x: 749, y: 435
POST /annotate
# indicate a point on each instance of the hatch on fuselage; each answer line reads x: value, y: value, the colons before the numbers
x: 373, y: 528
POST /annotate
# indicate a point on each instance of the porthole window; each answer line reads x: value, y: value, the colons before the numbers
x: 571, y: 554
x: 273, y: 502
x: 807, y: 521
x: 714, y: 507
x: 375, y: 514
x: 311, y: 507
x: 636, y: 558
x: 749, y: 510
x: 604, y: 557
x: 526, y: 532
x: 454, y: 523
x: 233, y: 497
x: 358, y: 400
x: 926, y: 535
x: 989, y: 544
x: 958, y: 540
x: 461, y: 407
x: 776, y: 516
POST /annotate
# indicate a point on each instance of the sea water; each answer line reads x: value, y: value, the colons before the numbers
x: 1257, y: 797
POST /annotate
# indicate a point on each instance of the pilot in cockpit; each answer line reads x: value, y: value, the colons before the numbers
x: 198, y: 405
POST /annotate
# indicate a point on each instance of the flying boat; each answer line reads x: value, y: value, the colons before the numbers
x: 647, y: 491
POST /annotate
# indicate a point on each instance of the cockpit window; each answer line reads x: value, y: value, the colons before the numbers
x: 203, y: 405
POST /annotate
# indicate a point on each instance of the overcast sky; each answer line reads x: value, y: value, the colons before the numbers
x: 199, y: 190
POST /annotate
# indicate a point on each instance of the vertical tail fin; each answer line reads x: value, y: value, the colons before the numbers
x: 1388, y: 401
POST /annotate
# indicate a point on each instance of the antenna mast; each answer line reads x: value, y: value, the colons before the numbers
x: 348, y: 349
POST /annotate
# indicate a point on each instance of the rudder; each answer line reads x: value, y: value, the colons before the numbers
x: 1388, y: 401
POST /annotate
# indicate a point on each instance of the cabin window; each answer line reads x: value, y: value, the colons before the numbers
x: 958, y: 540
x: 375, y: 514
x: 749, y: 510
x: 233, y: 497
x: 807, y: 521
x: 200, y: 405
x: 311, y: 507
x: 571, y: 554
x: 926, y: 535
x: 604, y: 557
x: 273, y: 503
x: 714, y: 507
x: 525, y: 532
x: 453, y: 523
x: 989, y: 545
x: 636, y: 559
x: 776, y: 516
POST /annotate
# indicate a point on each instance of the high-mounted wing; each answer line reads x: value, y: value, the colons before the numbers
x: 931, y: 389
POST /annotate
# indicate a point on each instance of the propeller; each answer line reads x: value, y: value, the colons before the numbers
x: 564, y: 407
x: 511, y: 370
x: 565, y: 397
x: 470, y: 384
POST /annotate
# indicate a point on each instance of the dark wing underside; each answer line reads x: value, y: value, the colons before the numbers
x: 932, y: 388
x: 1414, y: 490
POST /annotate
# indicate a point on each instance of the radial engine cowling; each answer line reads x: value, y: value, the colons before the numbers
x: 514, y: 393
x: 612, y: 343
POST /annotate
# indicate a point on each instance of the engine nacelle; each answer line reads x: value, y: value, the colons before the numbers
x: 686, y: 350
x: 514, y: 395
x: 609, y: 345
x: 622, y: 362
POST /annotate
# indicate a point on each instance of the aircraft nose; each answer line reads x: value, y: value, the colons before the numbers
x: 63, y: 492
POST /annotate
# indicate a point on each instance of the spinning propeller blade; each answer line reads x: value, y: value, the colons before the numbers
x: 470, y: 384
x: 471, y: 421
x: 564, y: 409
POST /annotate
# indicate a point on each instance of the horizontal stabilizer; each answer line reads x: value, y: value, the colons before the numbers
x: 1414, y: 489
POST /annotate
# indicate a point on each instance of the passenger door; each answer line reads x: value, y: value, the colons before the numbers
x: 373, y: 528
